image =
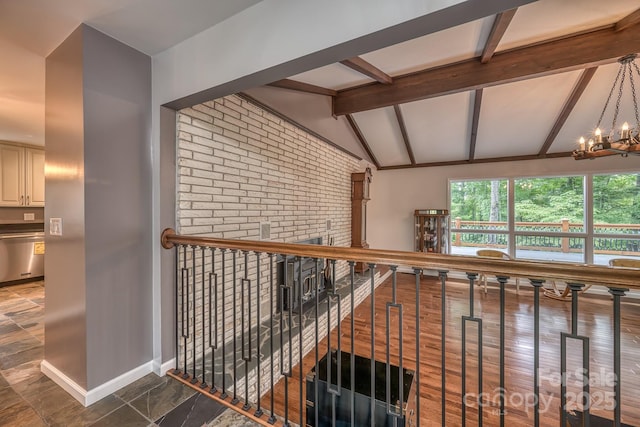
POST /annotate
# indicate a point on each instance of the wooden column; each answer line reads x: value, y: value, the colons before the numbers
x: 359, y: 198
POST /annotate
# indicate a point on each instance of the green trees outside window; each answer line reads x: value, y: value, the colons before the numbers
x: 550, y: 216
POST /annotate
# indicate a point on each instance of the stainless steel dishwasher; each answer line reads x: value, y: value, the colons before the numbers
x: 21, y: 252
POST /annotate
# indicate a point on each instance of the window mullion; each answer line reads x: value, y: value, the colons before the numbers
x: 511, y: 217
x: 588, y: 221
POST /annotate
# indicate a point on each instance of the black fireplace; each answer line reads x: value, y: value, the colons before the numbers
x: 301, y: 276
x: 360, y: 392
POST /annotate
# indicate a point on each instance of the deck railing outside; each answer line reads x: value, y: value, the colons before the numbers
x: 617, y: 239
x: 240, y: 337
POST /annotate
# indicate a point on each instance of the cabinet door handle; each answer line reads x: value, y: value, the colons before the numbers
x: 21, y: 200
x: 28, y: 201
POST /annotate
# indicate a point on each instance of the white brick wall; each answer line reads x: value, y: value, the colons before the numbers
x: 239, y: 166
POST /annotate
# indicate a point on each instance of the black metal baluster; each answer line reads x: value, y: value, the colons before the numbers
x: 203, y: 384
x: 185, y: 309
x: 353, y: 356
x: 224, y: 394
x: 471, y: 318
x: 181, y: 313
x: 272, y: 417
x: 397, y: 413
x: 258, y: 412
x: 617, y: 366
x: 245, y: 285
x: 176, y: 313
x: 285, y: 291
x: 502, y: 280
x: 194, y: 377
x: 443, y: 319
x: 317, y: 354
x: 329, y: 359
x: 537, y: 284
x: 234, y: 399
x: 418, y: 273
x: 213, y: 318
x: 337, y: 391
x: 300, y: 327
x: 586, y: 419
x: 372, y: 271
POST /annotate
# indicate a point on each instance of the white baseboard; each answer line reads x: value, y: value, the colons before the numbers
x: 67, y: 384
x: 87, y: 398
x: 161, y: 369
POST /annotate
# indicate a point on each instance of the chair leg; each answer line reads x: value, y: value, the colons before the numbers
x: 485, y: 283
x: 517, y: 285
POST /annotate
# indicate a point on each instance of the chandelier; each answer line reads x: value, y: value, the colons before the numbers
x: 628, y: 138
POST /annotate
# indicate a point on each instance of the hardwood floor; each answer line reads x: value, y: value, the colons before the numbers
x: 595, y: 321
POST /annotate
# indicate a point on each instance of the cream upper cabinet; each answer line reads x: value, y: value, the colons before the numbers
x: 34, y: 180
x: 11, y: 175
x: 21, y: 176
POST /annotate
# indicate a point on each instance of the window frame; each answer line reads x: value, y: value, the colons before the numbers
x: 588, y: 234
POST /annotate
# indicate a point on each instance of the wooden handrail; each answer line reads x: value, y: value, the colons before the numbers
x: 573, y: 273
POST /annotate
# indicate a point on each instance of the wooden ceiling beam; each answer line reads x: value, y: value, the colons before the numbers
x: 363, y: 67
x: 477, y: 161
x: 303, y: 87
x: 579, y: 88
x: 477, y: 103
x: 631, y: 19
x: 405, y: 135
x: 502, y: 21
x: 571, y: 53
x: 362, y: 139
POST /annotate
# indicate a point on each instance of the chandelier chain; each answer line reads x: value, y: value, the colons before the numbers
x: 606, y: 104
x: 617, y: 109
x: 633, y: 93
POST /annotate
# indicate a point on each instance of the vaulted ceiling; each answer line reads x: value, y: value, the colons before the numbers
x: 524, y: 84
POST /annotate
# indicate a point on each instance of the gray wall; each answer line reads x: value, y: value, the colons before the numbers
x: 167, y: 220
x: 17, y: 214
x: 65, y: 321
x: 108, y: 210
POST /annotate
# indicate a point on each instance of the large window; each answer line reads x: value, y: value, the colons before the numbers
x: 547, y: 212
x: 479, y: 215
x: 584, y: 218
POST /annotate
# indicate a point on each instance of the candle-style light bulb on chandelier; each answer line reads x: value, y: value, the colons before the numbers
x: 628, y: 138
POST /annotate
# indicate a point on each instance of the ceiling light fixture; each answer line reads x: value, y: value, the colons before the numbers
x: 600, y: 145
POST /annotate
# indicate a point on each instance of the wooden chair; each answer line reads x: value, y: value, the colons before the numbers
x: 493, y: 253
x: 561, y: 295
x: 624, y: 263
x: 565, y: 294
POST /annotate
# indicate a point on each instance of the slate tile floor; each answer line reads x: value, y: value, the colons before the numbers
x: 30, y: 399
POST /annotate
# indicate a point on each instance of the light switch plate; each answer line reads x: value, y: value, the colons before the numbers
x: 55, y: 226
x: 29, y: 217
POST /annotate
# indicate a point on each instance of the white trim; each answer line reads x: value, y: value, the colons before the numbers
x: 87, y: 398
x: 64, y: 381
x: 161, y: 369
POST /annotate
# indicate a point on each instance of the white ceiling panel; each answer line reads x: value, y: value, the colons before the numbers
x: 439, y: 128
x: 584, y: 117
x: 382, y: 132
x: 545, y: 19
x: 334, y: 76
x: 516, y: 118
x: 450, y: 45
